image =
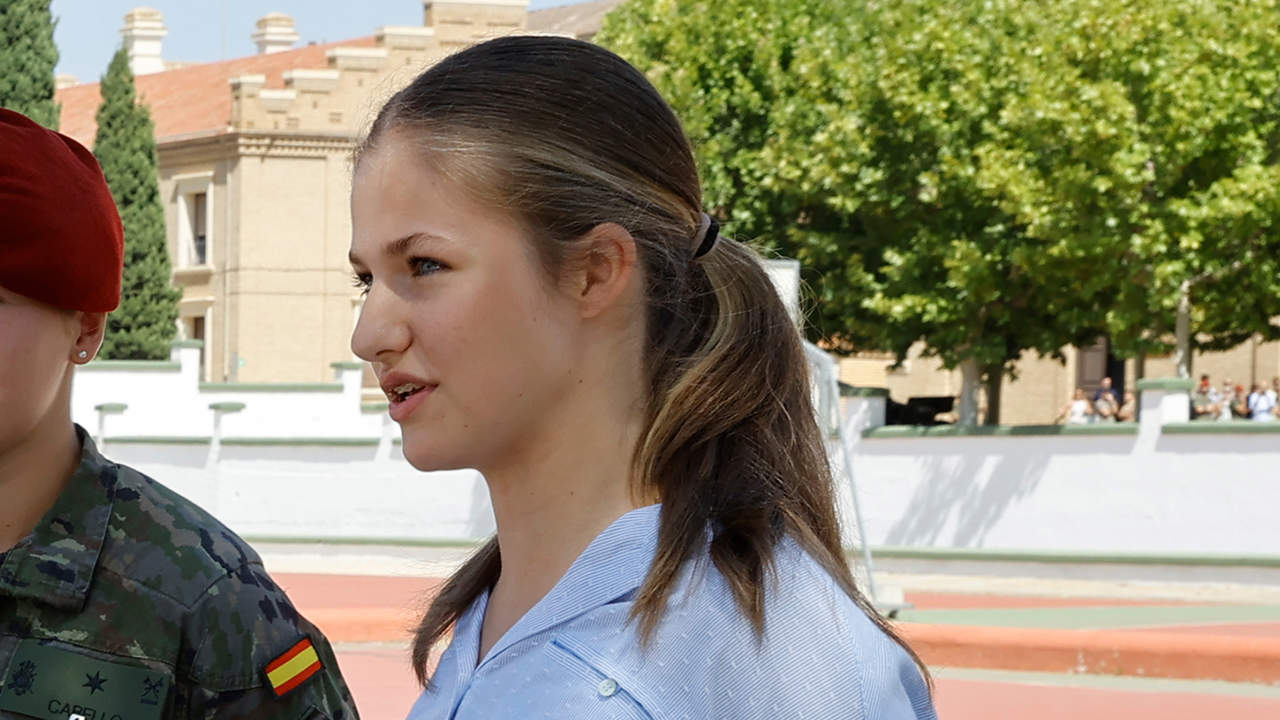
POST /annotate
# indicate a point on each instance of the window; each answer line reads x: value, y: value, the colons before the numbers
x: 199, y: 218
x: 195, y: 220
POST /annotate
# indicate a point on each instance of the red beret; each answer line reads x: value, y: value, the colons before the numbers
x: 61, y: 240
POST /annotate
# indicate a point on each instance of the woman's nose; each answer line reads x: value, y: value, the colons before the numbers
x: 379, y: 331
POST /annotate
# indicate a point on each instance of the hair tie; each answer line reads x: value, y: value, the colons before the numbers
x: 708, y: 231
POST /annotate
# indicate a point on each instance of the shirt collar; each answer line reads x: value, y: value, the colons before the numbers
x: 613, y: 565
x: 55, y: 563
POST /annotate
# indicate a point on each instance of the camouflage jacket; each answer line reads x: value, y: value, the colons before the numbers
x: 128, y: 602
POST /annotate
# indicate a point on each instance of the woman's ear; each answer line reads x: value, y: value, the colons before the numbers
x: 605, y: 269
x: 91, y: 329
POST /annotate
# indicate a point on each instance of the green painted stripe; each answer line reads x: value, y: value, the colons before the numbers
x: 1098, y: 617
x: 111, y: 407
x: 1235, y: 427
x: 227, y: 407
x: 1079, y: 558
x: 303, y: 441
x: 271, y: 387
x: 913, y: 431
x: 460, y: 543
x: 197, y: 344
x: 154, y: 440
x: 347, y: 365
x: 130, y: 365
x: 374, y: 407
x: 852, y: 391
x: 1167, y: 384
x: 1129, y: 683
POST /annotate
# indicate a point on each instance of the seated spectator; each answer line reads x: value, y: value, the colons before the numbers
x: 1128, y: 411
x: 1077, y: 411
x: 1240, y: 406
x: 1227, y: 400
x: 1105, y: 407
x: 1106, y: 389
x: 1204, y: 401
x: 1262, y: 403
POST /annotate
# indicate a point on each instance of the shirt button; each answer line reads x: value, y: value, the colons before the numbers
x: 607, y: 687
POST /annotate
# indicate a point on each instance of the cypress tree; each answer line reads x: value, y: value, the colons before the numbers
x: 144, y: 325
x: 27, y: 60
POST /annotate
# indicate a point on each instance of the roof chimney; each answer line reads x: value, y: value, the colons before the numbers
x: 143, y: 34
x: 275, y: 33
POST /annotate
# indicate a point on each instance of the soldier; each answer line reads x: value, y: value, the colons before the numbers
x: 119, y: 599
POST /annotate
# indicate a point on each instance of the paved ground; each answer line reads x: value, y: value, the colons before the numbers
x: 385, y: 690
x: 371, y: 606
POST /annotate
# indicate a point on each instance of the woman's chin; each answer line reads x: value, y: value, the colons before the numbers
x: 425, y: 458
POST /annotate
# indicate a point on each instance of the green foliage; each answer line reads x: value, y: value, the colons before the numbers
x: 988, y: 176
x: 27, y: 60
x: 144, y: 325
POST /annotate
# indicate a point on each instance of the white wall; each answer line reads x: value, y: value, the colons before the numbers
x: 296, y: 490
x: 312, y: 464
x: 1166, y: 487
x: 168, y: 400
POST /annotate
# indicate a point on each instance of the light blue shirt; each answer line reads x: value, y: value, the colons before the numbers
x: 575, y: 656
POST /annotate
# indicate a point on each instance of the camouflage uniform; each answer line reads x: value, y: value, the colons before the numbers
x: 129, y: 602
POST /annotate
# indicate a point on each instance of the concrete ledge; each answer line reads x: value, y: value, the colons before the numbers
x: 271, y: 387
x: 156, y: 440
x: 913, y: 431
x: 1170, y: 384
x: 1074, y: 558
x: 1102, y: 652
x: 851, y: 391
x: 1210, y: 427
x: 131, y: 365
x: 304, y: 441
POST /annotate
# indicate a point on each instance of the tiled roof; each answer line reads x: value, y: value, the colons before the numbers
x: 582, y: 20
x: 195, y: 98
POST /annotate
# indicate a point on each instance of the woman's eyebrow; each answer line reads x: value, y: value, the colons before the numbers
x: 401, y: 246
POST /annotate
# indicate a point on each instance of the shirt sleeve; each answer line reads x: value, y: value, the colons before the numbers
x: 253, y: 657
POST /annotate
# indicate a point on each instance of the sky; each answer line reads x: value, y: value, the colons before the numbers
x: 88, y: 31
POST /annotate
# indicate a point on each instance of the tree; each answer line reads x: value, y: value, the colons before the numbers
x: 978, y: 174
x: 144, y: 325
x: 27, y: 60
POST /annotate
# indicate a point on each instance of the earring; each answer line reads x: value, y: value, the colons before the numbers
x: 84, y: 354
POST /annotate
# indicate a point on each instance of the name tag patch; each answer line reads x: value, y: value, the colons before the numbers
x: 48, y: 681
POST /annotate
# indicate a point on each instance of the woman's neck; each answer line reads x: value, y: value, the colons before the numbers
x: 554, y: 499
x: 34, y: 469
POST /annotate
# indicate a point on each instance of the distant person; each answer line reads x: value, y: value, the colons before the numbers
x: 117, y: 595
x: 1077, y: 411
x: 1275, y: 396
x: 1106, y: 390
x: 547, y: 302
x: 1128, y: 411
x: 1240, y: 403
x: 1205, y: 401
x: 1227, y: 401
x: 1262, y: 404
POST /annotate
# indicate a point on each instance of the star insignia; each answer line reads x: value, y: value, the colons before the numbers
x: 94, y: 683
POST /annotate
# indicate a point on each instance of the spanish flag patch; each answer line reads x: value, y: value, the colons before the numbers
x: 293, y: 667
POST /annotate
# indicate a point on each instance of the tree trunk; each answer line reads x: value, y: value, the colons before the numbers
x: 970, y: 386
x: 1182, y: 332
x: 994, y: 383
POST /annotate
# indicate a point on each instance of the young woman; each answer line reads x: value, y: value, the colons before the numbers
x: 118, y: 597
x: 548, y: 303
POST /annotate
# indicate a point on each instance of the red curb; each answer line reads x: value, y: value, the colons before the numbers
x: 1101, y: 652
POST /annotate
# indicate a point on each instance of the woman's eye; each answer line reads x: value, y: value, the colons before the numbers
x: 362, y: 282
x: 424, y: 266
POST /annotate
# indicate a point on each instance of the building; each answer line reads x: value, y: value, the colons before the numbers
x: 254, y: 168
